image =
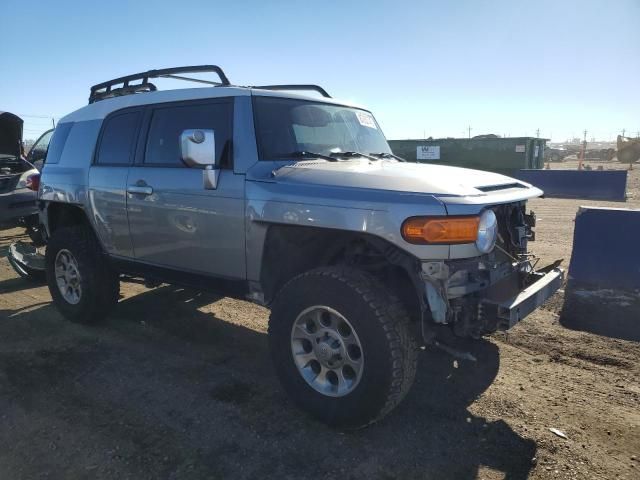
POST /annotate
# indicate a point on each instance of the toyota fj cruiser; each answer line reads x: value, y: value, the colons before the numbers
x: 297, y: 203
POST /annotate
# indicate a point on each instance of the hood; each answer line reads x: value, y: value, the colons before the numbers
x: 10, y: 134
x: 438, y: 180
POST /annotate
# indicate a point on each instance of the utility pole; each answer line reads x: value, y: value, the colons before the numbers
x: 537, y: 133
x: 469, y: 128
x: 583, y: 151
x: 623, y: 131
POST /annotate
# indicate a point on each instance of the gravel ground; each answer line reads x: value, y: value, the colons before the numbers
x: 178, y: 384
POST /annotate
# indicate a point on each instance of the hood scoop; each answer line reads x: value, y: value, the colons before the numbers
x: 495, y: 188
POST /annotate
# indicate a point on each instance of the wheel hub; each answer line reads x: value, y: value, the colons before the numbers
x: 68, y: 276
x: 330, y: 351
x: 327, y: 351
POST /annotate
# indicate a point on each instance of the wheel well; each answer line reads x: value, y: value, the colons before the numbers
x: 292, y: 250
x: 64, y: 215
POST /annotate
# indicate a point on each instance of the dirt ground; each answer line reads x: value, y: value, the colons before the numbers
x: 178, y: 384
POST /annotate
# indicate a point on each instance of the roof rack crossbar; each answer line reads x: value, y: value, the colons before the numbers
x: 128, y: 90
x: 306, y: 87
x: 104, y: 90
x: 189, y: 79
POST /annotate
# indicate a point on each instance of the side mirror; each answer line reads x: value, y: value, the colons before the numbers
x: 198, y: 149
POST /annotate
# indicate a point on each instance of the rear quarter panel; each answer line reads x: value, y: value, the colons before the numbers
x: 65, y: 178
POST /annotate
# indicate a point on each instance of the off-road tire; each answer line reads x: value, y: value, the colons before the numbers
x: 100, y: 283
x: 383, y: 327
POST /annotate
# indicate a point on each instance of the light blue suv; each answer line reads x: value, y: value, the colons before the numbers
x: 297, y: 203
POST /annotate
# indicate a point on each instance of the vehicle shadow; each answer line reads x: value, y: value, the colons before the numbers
x: 183, y: 393
x: 16, y: 284
x: 461, y: 443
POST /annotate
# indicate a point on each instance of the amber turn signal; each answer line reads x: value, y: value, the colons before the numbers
x: 429, y: 230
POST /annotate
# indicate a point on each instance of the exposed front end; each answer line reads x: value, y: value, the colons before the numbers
x: 492, y: 291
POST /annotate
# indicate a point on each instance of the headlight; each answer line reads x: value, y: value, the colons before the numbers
x: 22, y: 183
x: 487, y: 231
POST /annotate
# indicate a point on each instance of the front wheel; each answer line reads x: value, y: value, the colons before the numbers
x: 342, y: 346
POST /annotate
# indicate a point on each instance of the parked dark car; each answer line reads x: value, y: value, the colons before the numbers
x: 19, y: 175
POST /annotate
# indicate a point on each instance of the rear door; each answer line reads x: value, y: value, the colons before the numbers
x: 108, y: 179
x: 174, y: 221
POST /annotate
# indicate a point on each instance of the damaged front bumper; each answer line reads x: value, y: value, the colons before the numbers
x: 478, y: 297
x: 509, y: 310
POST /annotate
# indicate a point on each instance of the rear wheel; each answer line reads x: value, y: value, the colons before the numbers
x: 81, y: 282
x: 342, y: 346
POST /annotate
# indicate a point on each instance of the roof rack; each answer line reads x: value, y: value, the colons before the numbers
x: 315, y: 88
x: 105, y: 89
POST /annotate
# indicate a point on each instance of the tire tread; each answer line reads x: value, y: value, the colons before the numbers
x: 390, y: 312
x: 81, y: 241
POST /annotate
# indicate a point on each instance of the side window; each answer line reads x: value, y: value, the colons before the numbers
x: 168, y: 123
x: 118, y: 138
x: 58, y: 141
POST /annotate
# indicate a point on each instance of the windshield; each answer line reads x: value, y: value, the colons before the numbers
x: 287, y: 126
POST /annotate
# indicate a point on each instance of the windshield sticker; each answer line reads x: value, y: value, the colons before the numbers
x: 366, y: 119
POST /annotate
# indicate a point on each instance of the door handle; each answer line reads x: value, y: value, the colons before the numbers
x: 139, y: 190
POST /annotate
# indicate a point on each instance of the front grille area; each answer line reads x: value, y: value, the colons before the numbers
x: 515, y: 228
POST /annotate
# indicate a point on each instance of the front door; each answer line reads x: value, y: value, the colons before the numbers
x: 174, y: 221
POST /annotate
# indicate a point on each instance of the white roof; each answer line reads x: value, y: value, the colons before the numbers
x: 102, y: 108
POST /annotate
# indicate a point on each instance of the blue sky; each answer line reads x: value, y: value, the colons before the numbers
x: 503, y: 66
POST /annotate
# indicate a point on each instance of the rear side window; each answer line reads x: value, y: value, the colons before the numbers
x: 58, y: 141
x: 118, y: 138
x: 168, y: 123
